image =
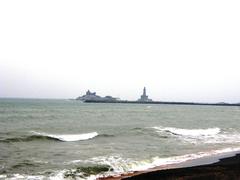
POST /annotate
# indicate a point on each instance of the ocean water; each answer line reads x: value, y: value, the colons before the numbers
x: 67, y: 139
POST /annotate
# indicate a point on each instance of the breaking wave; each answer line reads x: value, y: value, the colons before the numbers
x: 190, y: 132
x: 199, y: 136
x: 69, y: 137
x: 53, y: 137
x: 86, y: 171
x: 116, y: 164
x: 28, y: 138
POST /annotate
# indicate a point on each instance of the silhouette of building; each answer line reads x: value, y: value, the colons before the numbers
x: 144, y: 97
x: 92, y: 96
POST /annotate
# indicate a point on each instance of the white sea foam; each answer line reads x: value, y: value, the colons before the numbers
x: 60, y: 175
x: 118, y: 163
x: 23, y: 177
x: 69, y: 137
x: 122, y: 165
x: 3, y: 176
x: 227, y: 138
x: 206, y: 136
x: 158, y: 161
x: 190, y: 132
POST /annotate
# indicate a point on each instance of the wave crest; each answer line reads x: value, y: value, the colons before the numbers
x: 199, y: 136
x: 69, y: 137
x: 53, y: 137
x: 116, y: 164
x: 28, y: 138
x: 190, y: 132
x: 107, y: 166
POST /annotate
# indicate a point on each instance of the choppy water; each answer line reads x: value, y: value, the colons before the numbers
x: 64, y: 139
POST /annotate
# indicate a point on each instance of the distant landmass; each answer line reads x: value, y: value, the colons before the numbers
x: 92, y: 97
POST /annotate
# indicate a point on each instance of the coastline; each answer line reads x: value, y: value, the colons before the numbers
x: 225, y: 166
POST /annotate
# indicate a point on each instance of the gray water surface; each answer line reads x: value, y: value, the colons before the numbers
x: 126, y: 133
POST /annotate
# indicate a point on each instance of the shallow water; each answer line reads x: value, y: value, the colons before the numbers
x: 63, y: 139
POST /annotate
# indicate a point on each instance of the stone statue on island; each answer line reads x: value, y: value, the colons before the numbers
x: 144, y: 97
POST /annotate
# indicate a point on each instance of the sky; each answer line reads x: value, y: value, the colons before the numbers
x: 180, y: 50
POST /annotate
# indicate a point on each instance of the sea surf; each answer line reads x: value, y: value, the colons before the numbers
x: 59, y: 139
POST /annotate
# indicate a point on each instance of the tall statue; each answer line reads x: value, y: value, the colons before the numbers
x: 144, y: 97
x: 144, y: 91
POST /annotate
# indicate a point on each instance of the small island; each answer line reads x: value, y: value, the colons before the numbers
x: 92, y: 96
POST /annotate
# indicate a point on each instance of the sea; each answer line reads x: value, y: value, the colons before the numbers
x: 68, y: 139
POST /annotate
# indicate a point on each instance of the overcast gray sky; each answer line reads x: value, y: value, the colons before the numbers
x: 181, y: 50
